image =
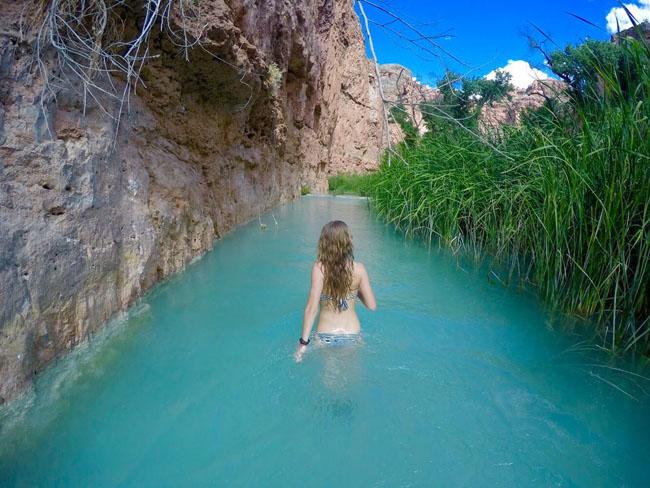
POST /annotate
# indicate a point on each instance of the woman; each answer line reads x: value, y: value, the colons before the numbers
x: 336, y: 282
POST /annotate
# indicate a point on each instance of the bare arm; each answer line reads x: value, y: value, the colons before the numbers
x: 311, y: 308
x: 365, y: 290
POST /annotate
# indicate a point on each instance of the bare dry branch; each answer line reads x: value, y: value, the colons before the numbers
x: 420, y: 35
x: 91, y: 54
x: 378, y: 74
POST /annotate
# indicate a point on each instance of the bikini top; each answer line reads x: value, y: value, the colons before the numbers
x: 343, y: 302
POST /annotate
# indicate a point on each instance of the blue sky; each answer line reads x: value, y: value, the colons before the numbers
x: 487, y: 34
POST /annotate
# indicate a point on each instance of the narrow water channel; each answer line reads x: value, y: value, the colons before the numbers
x: 460, y: 381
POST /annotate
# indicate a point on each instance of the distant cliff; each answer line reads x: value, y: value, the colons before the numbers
x: 510, y: 109
x: 404, y: 91
x: 275, y: 96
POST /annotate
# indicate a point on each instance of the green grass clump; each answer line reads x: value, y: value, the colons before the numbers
x: 305, y: 190
x: 349, y: 184
x: 563, y: 201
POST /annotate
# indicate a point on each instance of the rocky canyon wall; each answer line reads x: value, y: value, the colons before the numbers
x: 403, y: 91
x: 276, y: 96
x: 509, y: 110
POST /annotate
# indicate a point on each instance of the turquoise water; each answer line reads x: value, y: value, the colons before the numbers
x: 459, y: 382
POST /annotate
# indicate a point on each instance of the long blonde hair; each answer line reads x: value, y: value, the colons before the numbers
x: 336, y: 256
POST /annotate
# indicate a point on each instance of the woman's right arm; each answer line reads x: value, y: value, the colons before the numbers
x: 310, y: 309
x: 365, y: 290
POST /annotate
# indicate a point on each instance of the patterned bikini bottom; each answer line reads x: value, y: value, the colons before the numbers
x: 333, y: 339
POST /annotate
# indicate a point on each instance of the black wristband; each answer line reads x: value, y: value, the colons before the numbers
x: 304, y: 342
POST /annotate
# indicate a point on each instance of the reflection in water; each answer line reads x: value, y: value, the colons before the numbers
x: 341, y: 374
x: 341, y: 366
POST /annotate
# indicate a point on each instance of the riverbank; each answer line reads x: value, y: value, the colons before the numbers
x: 349, y: 184
x: 561, y: 202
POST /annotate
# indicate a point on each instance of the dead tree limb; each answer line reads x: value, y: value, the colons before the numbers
x: 378, y: 74
x: 421, y: 35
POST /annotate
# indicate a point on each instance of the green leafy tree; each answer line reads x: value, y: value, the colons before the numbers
x: 462, y: 99
x: 487, y: 91
x: 584, y: 67
x: 399, y: 115
x: 449, y: 105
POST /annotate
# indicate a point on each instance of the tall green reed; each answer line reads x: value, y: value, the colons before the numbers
x: 563, y: 200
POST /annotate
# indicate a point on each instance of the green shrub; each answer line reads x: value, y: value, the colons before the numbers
x: 399, y: 115
x: 349, y: 184
x: 462, y: 98
x: 274, y: 78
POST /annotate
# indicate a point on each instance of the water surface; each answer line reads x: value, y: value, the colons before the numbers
x: 460, y: 381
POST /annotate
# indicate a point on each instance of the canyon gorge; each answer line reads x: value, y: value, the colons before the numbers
x: 265, y: 102
x: 270, y: 99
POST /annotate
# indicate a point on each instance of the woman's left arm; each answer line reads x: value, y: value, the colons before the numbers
x: 310, y: 309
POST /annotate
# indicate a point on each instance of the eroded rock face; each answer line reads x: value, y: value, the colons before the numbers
x: 510, y: 109
x: 87, y: 225
x: 401, y: 90
x: 640, y: 32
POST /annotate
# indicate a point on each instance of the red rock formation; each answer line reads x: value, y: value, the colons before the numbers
x: 642, y: 30
x: 403, y: 91
x: 510, y: 109
x: 276, y: 96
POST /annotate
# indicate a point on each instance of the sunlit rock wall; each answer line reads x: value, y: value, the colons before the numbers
x: 90, y: 219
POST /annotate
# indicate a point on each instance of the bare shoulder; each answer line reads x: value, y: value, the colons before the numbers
x: 359, y: 269
x: 317, y: 268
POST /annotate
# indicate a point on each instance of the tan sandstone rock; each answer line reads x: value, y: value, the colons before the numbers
x: 510, y: 109
x: 87, y: 226
x: 402, y: 90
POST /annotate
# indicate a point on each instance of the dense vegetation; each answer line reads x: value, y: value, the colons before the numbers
x: 348, y: 184
x: 463, y: 98
x: 561, y: 202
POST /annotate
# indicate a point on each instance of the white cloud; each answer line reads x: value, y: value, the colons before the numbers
x: 640, y: 11
x: 523, y: 74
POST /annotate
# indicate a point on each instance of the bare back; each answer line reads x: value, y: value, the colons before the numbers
x: 333, y: 320
x: 337, y: 316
